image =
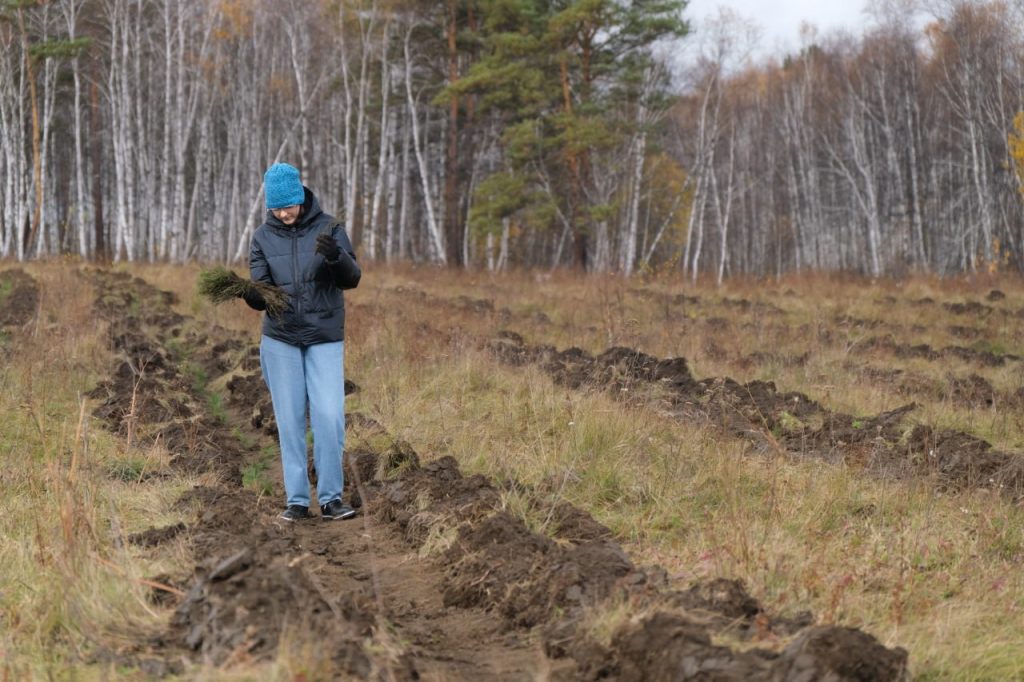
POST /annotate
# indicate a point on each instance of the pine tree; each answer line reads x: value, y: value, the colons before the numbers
x: 551, y: 74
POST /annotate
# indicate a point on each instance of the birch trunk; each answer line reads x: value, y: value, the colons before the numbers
x: 628, y: 255
x: 433, y: 231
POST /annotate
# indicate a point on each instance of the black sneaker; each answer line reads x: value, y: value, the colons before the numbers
x: 336, y: 509
x: 295, y: 512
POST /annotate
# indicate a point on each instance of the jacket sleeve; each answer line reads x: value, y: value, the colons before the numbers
x: 345, y: 272
x: 259, y: 269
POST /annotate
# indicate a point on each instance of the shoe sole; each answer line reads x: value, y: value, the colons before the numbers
x: 291, y: 519
x: 341, y: 517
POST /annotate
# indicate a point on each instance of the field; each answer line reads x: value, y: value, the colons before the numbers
x: 560, y: 477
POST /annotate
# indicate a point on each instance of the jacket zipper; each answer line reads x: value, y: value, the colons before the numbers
x: 295, y: 272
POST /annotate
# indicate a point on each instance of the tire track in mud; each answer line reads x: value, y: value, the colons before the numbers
x: 791, y: 422
x: 434, y: 581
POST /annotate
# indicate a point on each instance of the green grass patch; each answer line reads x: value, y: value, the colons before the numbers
x: 243, y: 438
x: 993, y: 346
x: 215, y: 406
x: 129, y: 469
x: 6, y: 287
x: 198, y: 376
x: 255, y: 475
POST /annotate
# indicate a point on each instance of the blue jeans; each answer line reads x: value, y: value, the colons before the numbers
x: 294, y: 376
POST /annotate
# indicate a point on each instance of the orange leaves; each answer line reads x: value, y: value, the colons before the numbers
x: 235, y: 19
x: 1015, y: 143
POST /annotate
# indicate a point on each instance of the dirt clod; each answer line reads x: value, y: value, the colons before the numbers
x: 156, y: 536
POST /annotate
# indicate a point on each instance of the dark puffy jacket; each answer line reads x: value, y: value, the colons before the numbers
x: 285, y: 256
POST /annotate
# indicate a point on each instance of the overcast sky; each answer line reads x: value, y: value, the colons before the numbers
x: 779, y: 20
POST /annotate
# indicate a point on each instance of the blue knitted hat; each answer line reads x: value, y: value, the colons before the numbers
x: 282, y: 186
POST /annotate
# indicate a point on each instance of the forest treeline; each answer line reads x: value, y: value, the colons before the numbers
x: 600, y: 134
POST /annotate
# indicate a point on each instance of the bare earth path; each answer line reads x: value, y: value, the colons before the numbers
x: 445, y: 643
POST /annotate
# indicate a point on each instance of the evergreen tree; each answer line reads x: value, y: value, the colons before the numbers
x: 550, y: 75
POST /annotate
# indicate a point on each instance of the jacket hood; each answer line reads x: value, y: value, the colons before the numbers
x: 310, y: 212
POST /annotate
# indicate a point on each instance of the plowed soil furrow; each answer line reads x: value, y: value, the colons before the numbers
x: 790, y: 422
x: 692, y: 311
x: 434, y: 580
x: 355, y: 591
x: 924, y: 351
x: 369, y: 558
x: 341, y: 586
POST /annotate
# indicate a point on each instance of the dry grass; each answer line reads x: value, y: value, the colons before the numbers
x: 71, y: 587
x: 937, y: 574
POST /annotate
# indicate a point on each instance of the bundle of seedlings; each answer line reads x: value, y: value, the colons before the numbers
x: 220, y: 284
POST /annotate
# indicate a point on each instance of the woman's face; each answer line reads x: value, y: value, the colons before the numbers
x: 287, y: 214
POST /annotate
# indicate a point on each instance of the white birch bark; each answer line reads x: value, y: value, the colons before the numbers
x: 723, y: 215
x: 47, y: 226
x: 384, y: 152
x: 14, y: 147
x: 628, y: 254
x: 433, y: 230
x: 392, y: 194
x: 403, y: 217
x: 69, y: 10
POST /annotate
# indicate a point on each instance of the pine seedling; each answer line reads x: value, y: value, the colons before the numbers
x: 220, y: 284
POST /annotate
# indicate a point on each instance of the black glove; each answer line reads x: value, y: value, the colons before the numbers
x: 254, y: 299
x: 327, y: 247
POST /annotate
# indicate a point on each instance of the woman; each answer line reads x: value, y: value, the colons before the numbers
x: 307, y: 253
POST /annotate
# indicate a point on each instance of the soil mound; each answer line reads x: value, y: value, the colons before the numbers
x: 556, y: 584
x: 240, y: 607
x: 883, y: 444
x: 159, y: 391
x: 969, y: 308
x: 924, y: 351
x: 671, y: 646
x: 157, y: 536
x: 617, y: 367
x: 972, y: 391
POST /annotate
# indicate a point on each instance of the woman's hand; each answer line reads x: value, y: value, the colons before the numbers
x: 327, y: 247
x: 253, y: 298
x: 340, y: 262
